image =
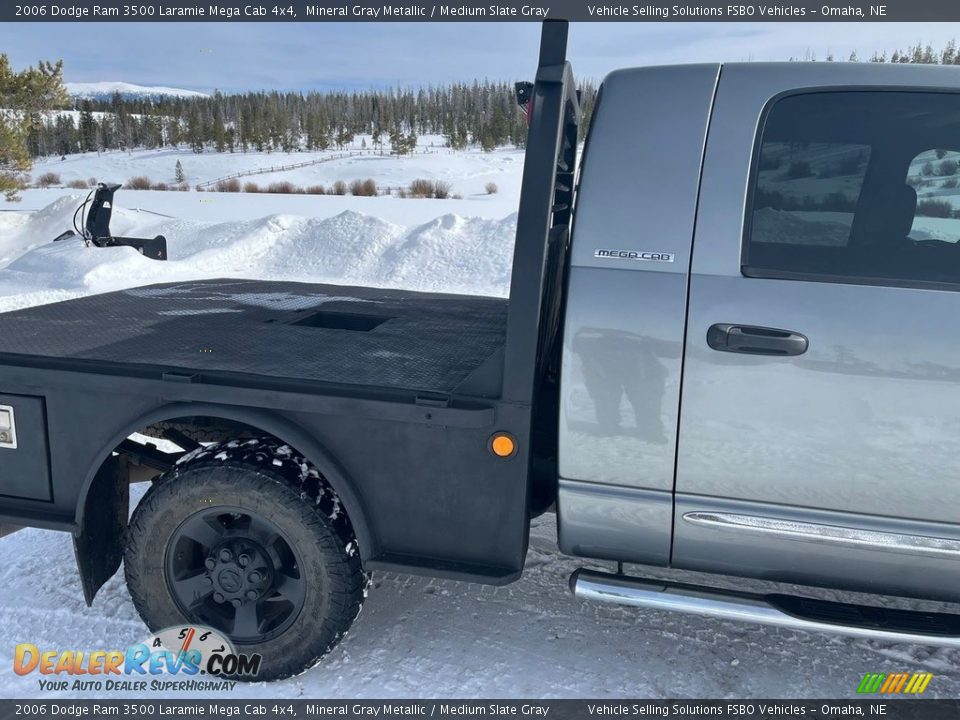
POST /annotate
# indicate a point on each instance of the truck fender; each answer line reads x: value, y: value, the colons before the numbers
x: 103, y: 506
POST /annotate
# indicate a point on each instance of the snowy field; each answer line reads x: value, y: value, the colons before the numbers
x: 461, y: 244
x: 467, y: 171
x: 416, y: 637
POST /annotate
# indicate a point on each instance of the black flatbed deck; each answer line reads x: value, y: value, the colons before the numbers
x: 293, y: 331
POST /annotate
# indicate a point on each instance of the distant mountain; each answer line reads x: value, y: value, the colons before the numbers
x: 106, y: 90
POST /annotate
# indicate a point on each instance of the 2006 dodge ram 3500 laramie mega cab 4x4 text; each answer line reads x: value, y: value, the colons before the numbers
x: 730, y: 346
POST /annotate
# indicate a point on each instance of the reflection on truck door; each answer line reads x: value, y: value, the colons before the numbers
x: 849, y: 240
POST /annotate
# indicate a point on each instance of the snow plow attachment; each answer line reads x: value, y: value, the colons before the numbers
x: 93, y: 225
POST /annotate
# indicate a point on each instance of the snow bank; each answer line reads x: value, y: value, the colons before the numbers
x: 448, y: 254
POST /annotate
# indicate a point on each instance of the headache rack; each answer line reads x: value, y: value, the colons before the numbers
x: 552, y: 109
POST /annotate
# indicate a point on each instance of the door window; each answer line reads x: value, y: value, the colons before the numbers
x: 857, y: 186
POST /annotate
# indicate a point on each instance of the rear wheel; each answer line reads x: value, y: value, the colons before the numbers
x: 248, y: 539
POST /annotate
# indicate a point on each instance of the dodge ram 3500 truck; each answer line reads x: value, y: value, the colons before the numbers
x: 730, y: 346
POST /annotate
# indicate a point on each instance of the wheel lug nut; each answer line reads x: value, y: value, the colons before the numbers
x: 226, y: 555
x: 210, y: 563
x: 251, y: 594
x: 208, y: 580
x: 244, y: 560
x: 236, y: 602
x: 218, y: 597
x: 255, y: 576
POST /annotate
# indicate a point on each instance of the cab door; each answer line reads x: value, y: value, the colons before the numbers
x: 820, y: 419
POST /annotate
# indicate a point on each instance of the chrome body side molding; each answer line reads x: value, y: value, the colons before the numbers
x: 827, y: 534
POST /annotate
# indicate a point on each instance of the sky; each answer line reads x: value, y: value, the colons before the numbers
x: 232, y: 56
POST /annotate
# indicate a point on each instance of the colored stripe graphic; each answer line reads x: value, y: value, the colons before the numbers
x: 871, y: 682
x: 922, y: 682
x: 894, y: 683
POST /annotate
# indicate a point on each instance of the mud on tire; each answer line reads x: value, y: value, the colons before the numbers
x: 302, y: 584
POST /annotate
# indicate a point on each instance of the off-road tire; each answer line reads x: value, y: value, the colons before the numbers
x: 268, y: 478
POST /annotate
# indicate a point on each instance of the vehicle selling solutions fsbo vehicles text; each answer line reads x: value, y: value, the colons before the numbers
x: 768, y: 12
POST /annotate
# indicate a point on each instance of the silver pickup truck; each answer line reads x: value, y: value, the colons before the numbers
x: 730, y: 346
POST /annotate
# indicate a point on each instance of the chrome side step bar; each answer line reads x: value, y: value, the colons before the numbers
x: 796, y: 613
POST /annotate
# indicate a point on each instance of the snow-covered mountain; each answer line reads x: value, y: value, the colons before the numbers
x: 101, y: 90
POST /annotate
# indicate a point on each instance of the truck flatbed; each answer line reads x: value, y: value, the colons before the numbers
x: 387, y: 429
x: 296, y: 331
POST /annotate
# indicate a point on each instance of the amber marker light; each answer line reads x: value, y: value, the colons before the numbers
x: 503, y: 445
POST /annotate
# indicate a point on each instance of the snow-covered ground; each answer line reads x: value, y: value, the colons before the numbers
x: 446, y: 253
x: 417, y: 637
x: 457, y: 244
x: 421, y: 637
x: 467, y: 171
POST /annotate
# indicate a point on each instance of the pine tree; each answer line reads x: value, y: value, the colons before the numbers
x: 28, y: 93
x: 195, y: 130
x: 89, y: 131
x: 949, y: 54
x: 174, y: 134
x: 344, y: 137
x: 179, y: 175
x: 218, y: 129
x: 66, y: 134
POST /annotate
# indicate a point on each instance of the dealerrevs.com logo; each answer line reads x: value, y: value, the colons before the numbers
x: 189, y: 658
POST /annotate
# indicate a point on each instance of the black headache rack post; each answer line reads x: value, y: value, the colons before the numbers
x: 543, y: 221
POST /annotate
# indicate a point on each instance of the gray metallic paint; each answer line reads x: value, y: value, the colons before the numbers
x: 835, y: 565
x: 641, y: 167
x: 624, y: 320
x: 907, y: 544
x: 623, y: 331
x: 620, y: 379
x: 627, y: 524
x: 866, y: 421
x: 862, y: 431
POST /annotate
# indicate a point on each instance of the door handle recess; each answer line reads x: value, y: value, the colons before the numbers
x: 754, y: 340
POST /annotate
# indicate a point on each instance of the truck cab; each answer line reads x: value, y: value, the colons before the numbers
x: 758, y: 375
